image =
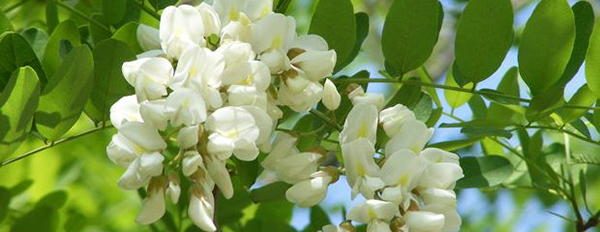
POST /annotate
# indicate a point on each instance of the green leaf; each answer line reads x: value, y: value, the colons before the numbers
x: 114, y: 10
x: 160, y: 4
x: 37, y: 39
x: 583, y: 97
x: 5, y: 24
x: 62, y: 101
x: 45, y: 214
x: 545, y: 104
x: 98, y: 33
x: 483, y: 37
x: 408, y: 95
x: 318, y: 219
x: 4, y: 201
x: 478, y: 107
x: 410, y: 32
x: 128, y: 34
x: 584, y: 25
x: 509, y: 85
x: 592, y: 62
x: 271, y: 192
x: 65, y: 31
x: 456, y: 144
x: 486, y: 171
x: 18, y: 103
x: 15, y: 52
x: 424, y: 108
x: 455, y: 98
x: 334, y: 20
x: 51, y: 15
x: 546, y: 44
x: 362, y: 30
x: 109, y: 83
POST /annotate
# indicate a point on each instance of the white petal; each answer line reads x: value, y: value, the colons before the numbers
x: 245, y: 150
x: 370, y: 98
x: 154, y: 113
x: 153, y: 207
x: 274, y: 31
x: 403, y: 168
x: 361, y: 122
x: 125, y: 109
x: 393, y: 194
x: 297, y: 167
x: 437, y: 155
x: 331, y: 96
x: 151, y: 164
x: 439, y: 197
x: 394, y: 118
x: 302, y: 101
x: 185, y: 107
x: 143, y: 135
x: 148, y: 37
x: 210, y: 19
x: 310, y: 42
x: 309, y: 192
x: 316, y: 64
x: 283, y: 146
x: 180, y: 28
x: 130, y: 180
x: 378, y: 226
x: 121, y: 151
x: 149, y: 77
x: 201, y: 211
x: 191, y: 162
x: 358, y: 160
x: 199, y: 68
x: 247, y: 96
x: 441, y: 175
x: 421, y: 221
x: 413, y: 135
x: 236, y: 52
x: 188, y: 136
x: 218, y: 172
x: 263, y: 122
x: 174, y: 191
x: 276, y: 60
x: 372, y: 210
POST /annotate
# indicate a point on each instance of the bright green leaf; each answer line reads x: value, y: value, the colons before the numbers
x: 592, y: 62
x: 584, y: 25
x: 410, y: 32
x: 483, y: 37
x: 334, y: 20
x: 486, y: 171
x: 18, y: 103
x: 5, y: 24
x: 128, y: 34
x: 455, y: 98
x: 546, y: 44
x: 583, y: 97
x: 62, y: 101
x: 65, y: 31
x: 109, y: 83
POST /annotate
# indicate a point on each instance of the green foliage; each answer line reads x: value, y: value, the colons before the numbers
x: 486, y: 171
x: 454, y: 98
x: 65, y: 33
x: 546, y: 44
x: 592, y: 65
x: 15, y: 52
x: 411, y: 30
x: 18, y: 102
x: 64, y: 97
x: 334, y: 20
x: 483, y: 38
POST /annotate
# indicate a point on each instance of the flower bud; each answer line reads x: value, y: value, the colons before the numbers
x: 394, y: 118
x: 173, y: 189
x: 188, y: 136
x: 331, y: 97
x: 309, y: 192
x: 201, y: 209
x: 148, y: 37
x: 316, y: 64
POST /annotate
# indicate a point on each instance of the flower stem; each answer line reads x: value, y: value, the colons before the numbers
x: 326, y: 119
x: 146, y: 9
x: 50, y: 145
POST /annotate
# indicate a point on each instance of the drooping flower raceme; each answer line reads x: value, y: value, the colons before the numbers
x: 210, y: 87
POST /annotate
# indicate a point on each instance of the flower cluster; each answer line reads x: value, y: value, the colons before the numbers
x: 209, y: 88
x: 407, y: 187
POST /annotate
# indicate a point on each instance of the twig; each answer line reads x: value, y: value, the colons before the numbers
x: 146, y: 9
x: 325, y: 119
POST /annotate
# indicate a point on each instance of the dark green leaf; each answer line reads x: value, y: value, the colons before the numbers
x: 98, y: 33
x: 509, y: 85
x: 109, y: 83
x: 4, y: 201
x: 545, y: 104
x: 584, y: 24
x: 51, y: 15
x: 486, y: 171
x: 20, y: 187
x: 318, y: 219
x: 37, y: 39
x: 128, y: 34
x: 272, y: 192
x: 362, y: 30
x: 546, y: 44
x: 334, y: 20
x: 114, y: 10
x: 15, y: 52
x: 66, y: 30
x: 483, y: 37
x: 592, y: 62
x: 435, y: 116
x: 62, y: 101
x: 18, y: 103
x: 410, y: 32
x: 478, y: 107
x: 408, y: 95
x: 5, y: 24
x: 160, y: 4
x: 456, y: 144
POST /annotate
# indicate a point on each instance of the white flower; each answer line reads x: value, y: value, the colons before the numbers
x: 149, y: 77
x: 191, y: 162
x: 200, y: 69
x: 452, y: 220
x: 359, y: 164
x: 240, y: 95
x: 188, y: 136
x: 210, y: 19
x: 393, y: 118
x: 125, y: 109
x: 361, y: 122
x: 422, y: 221
x: 154, y: 113
x: 141, y: 170
x: 250, y: 73
x: 310, y: 54
x: 395, y: 195
x: 153, y: 207
x: 370, y: 98
x: 378, y: 226
x: 142, y: 136
x: 443, y: 169
x: 180, y: 28
x: 309, y: 192
x: 297, y: 167
x: 303, y: 100
x: 148, y: 37
x: 276, y: 60
x: 413, y: 136
x: 234, y: 130
x: 331, y: 96
x: 201, y: 209
x: 236, y: 52
x: 239, y: 30
x: 403, y: 168
x: 284, y: 145
x: 367, y: 185
x: 217, y: 171
x: 185, y: 107
x: 274, y: 31
x: 173, y: 189
x: 442, y: 197
x: 373, y: 210
x: 122, y: 151
x: 230, y: 10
